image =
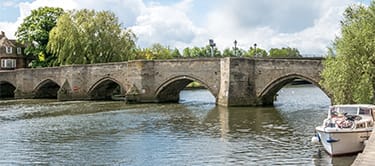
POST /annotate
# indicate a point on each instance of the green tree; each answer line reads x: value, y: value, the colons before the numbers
x: 284, y: 52
x: 198, y: 52
x: 228, y: 52
x: 350, y: 74
x: 256, y: 52
x: 157, y: 51
x: 34, y: 32
x: 144, y: 53
x: 86, y: 37
x: 160, y: 52
x: 233, y: 52
x: 206, y: 51
x: 176, y: 53
x: 186, y: 52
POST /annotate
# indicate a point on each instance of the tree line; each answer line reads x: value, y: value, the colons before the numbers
x: 349, y: 71
x: 55, y: 37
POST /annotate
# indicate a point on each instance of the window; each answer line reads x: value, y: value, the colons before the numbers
x: 19, y: 50
x: 8, y: 63
x: 8, y: 50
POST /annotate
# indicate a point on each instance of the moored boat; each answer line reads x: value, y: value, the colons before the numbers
x: 346, y: 129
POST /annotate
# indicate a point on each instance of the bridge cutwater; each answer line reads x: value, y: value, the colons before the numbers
x: 232, y: 81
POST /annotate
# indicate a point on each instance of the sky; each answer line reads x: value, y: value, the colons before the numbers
x: 310, y: 26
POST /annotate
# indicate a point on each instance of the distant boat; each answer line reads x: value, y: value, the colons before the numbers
x: 346, y: 129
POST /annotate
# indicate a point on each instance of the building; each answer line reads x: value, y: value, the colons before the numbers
x: 12, y: 54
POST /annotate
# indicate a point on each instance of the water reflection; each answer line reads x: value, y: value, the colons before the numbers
x: 195, y: 132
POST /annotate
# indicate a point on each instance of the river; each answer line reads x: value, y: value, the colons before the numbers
x: 193, y: 132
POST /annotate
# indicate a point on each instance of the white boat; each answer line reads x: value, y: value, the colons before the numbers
x: 346, y: 129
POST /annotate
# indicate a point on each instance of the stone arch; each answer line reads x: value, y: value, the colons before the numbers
x: 169, y: 90
x: 6, y: 89
x: 107, y: 89
x: 268, y: 93
x: 46, y: 89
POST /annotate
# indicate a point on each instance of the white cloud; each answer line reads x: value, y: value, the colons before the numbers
x: 126, y: 10
x: 8, y: 28
x: 309, y: 26
x: 168, y: 25
x: 25, y: 9
x: 275, y: 26
x: 7, y: 4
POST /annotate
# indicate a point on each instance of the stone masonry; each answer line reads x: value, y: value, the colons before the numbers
x: 232, y: 81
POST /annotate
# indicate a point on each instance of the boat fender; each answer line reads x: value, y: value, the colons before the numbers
x: 365, y: 142
x: 315, y: 139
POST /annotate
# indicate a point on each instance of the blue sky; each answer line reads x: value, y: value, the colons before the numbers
x: 309, y: 26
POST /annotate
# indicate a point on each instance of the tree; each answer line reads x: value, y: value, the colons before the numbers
x: 349, y: 75
x: 256, y: 52
x: 186, y: 52
x: 34, y: 32
x: 158, y: 51
x: 206, y: 51
x: 284, y: 52
x: 228, y: 52
x: 176, y: 53
x: 234, y: 52
x: 198, y: 52
x: 144, y: 53
x: 87, y: 36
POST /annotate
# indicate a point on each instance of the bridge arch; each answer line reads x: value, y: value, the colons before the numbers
x: 106, y: 89
x: 268, y: 93
x: 46, y: 89
x: 169, y: 90
x: 7, y: 89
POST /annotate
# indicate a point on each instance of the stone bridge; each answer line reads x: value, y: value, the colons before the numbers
x: 232, y: 81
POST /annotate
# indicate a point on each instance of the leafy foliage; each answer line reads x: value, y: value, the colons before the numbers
x: 238, y: 52
x: 34, y: 32
x: 349, y: 72
x: 256, y: 52
x: 284, y: 52
x: 233, y: 52
x: 87, y: 36
x: 157, y: 51
x: 201, y: 52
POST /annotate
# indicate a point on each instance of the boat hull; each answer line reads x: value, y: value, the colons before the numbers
x: 343, y: 141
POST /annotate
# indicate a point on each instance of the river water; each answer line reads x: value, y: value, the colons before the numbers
x: 193, y: 132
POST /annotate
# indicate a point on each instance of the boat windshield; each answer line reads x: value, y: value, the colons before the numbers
x: 348, y: 110
x: 364, y: 111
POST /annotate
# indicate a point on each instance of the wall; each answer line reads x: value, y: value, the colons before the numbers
x: 232, y: 81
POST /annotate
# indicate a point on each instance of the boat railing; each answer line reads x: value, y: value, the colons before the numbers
x: 345, y: 122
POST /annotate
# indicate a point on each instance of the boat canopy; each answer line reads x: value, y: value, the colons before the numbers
x: 352, y: 109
